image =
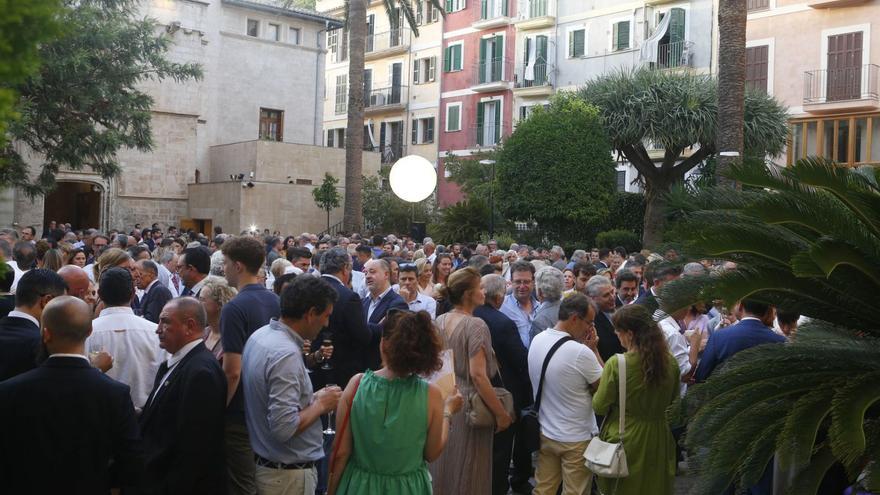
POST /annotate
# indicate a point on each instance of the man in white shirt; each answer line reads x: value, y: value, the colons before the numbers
x: 130, y: 339
x: 678, y: 344
x: 409, y: 291
x: 566, y: 411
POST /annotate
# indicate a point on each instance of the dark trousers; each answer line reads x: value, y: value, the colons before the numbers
x: 509, y: 443
x: 323, y: 466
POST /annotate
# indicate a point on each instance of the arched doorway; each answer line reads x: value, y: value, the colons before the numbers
x: 77, y: 203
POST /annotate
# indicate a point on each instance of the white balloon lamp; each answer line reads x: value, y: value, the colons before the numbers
x: 413, y: 178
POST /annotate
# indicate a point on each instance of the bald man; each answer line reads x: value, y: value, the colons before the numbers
x: 78, y: 425
x: 77, y: 281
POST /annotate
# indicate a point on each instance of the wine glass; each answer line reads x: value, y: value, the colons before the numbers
x: 329, y: 430
x: 94, y: 350
x: 327, y: 342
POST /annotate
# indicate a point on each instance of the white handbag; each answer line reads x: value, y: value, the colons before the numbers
x: 605, y: 459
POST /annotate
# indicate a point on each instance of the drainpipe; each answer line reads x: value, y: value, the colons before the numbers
x: 319, y: 114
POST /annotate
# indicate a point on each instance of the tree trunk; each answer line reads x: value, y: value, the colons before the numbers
x: 353, y: 216
x: 655, y: 213
x: 731, y: 84
x: 328, y: 221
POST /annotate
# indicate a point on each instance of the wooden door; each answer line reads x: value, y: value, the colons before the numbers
x: 844, y: 66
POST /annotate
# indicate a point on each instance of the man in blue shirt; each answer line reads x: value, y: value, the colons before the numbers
x: 521, y: 305
x: 282, y: 411
x: 252, y: 308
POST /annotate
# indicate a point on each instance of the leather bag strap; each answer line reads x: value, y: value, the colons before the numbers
x: 550, y: 354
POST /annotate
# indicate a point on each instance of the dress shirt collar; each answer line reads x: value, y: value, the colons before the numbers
x: 182, y: 352
x: 334, y: 277
x: 384, y: 292
x: 741, y: 319
x: 278, y: 325
x: 116, y: 310
x: 64, y: 354
x: 20, y: 314
x: 196, y: 288
x: 151, y: 285
x: 514, y: 300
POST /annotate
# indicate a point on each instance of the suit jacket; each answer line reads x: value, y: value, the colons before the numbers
x: 153, y: 301
x: 350, y: 335
x: 649, y: 301
x: 19, y: 345
x: 391, y: 300
x: 513, y: 358
x: 546, y: 317
x: 69, y: 429
x: 609, y: 344
x: 183, y: 428
x: 726, y: 342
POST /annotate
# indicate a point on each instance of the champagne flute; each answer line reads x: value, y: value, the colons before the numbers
x: 329, y: 430
x: 327, y: 342
x: 94, y: 350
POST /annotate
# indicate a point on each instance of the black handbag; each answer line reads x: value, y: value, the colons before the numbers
x: 530, y: 427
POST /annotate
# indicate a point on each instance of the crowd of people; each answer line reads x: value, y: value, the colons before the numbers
x: 161, y: 361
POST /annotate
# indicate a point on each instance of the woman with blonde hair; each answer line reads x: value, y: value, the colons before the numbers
x: 215, y: 293
x: 466, y: 464
x: 53, y: 260
x: 111, y: 258
x: 423, y: 271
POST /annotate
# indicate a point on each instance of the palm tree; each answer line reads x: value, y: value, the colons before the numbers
x: 356, y: 23
x: 805, y: 239
x: 731, y: 82
x: 676, y: 111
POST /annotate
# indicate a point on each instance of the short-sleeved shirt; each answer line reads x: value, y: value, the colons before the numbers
x: 277, y: 388
x: 566, y: 413
x: 252, y: 308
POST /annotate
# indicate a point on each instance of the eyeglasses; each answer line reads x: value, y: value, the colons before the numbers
x: 404, y: 266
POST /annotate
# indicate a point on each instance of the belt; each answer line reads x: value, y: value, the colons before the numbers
x: 262, y: 461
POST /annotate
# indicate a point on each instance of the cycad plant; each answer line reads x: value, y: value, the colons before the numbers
x: 807, y: 239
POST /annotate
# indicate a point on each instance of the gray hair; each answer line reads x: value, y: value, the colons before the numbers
x: 165, y: 257
x: 150, y: 266
x: 693, y: 268
x: 549, y: 282
x: 558, y: 250
x: 478, y: 261
x: 597, y: 283
x: 494, y: 285
x: 335, y: 260
x: 578, y: 255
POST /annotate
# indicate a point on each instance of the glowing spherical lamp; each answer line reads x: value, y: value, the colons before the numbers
x: 413, y: 178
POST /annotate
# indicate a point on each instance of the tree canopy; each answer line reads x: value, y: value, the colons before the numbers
x: 84, y: 104
x: 677, y: 112
x: 556, y: 169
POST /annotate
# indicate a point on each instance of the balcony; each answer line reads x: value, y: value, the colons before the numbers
x: 487, y: 136
x: 491, y: 14
x: 535, y: 14
x: 390, y: 153
x: 534, y: 81
x: 675, y: 55
x: 389, y: 43
x: 389, y: 99
x: 493, y: 74
x: 842, y: 90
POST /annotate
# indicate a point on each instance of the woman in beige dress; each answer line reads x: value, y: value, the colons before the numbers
x: 465, y: 467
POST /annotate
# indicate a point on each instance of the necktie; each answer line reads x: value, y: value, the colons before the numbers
x: 176, y: 281
x: 186, y: 292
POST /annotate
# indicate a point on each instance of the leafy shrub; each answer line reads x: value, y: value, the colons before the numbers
x: 613, y: 238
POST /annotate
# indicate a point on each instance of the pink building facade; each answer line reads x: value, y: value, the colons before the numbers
x: 476, y: 101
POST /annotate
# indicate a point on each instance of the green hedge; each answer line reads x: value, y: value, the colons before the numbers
x: 613, y: 238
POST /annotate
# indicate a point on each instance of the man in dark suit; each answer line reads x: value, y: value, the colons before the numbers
x: 348, y: 326
x: 377, y: 304
x: 20, y: 329
x: 600, y: 290
x: 656, y: 274
x: 627, y: 284
x: 69, y: 428
x: 183, y: 419
x: 604, y: 259
x: 513, y: 362
x: 193, y: 266
x: 155, y: 294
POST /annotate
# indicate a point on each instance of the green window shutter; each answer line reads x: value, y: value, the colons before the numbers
x: 622, y: 35
x: 579, y: 41
x: 676, y: 25
x: 497, y: 122
x: 458, y: 56
x: 415, y: 131
x: 480, y: 119
x: 571, y: 44
x: 527, y: 52
x: 432, y: 69
x: 448, y: 5
x: 429, y: 130
x: 453, y: 118
x: 541, y: 47
x: 504, y: 7
x: 484, y: 9
x: 447, y: 59
x: 483, y: 61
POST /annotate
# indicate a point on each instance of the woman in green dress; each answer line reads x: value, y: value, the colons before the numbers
x: 398, y: 422
x: 652, y: 383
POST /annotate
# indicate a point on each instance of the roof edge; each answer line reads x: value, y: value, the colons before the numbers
x: 331, y: 22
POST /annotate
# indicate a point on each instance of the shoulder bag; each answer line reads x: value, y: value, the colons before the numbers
x: 606, y: 459
x: 530, y: 426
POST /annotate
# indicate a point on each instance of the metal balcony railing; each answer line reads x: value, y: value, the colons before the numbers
x: 531, y: 9
x: 394, y: 38
x: 383, y: 97
x: 672, y: 55
x: 493, y: 70
x: 488, y: 10
x: 849, y: 83
x: 486, y: 135
x: 539, y: 74
x: 392, y: 152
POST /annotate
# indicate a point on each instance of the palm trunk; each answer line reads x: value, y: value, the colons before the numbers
x: 655, y: 213
x: 731, y: 84
x: 353, y: 217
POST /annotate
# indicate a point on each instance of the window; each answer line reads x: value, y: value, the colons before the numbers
x: 432, y: 14
x: 452, y: 58
x: 331, y: 135
x: 621, y: 181
x: 337, y: 44
x: 273, y: 32
x: 271, y: 124
x: 423, y: 131
x: 253, y: 28
x: 424, y: 70
x: 455, y: 5
x: 453, y: 117
x: 850, y: 140
x: 293, y: 36
x: 620, y: 36
x: 756, y: 67
x: 489, y: 122
x: 336, y: 138
x: 577, y: 40
x: 341, y: 93
x: 757, y: 5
